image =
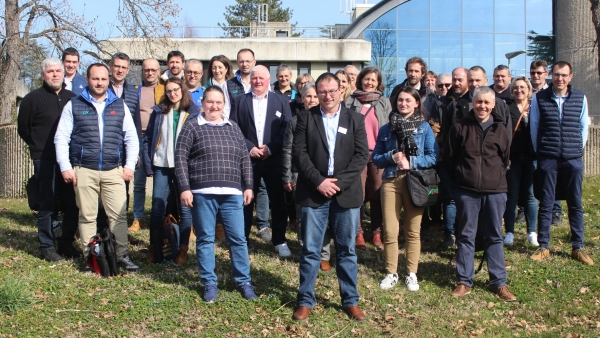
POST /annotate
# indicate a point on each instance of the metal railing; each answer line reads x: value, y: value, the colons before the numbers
x: 269, y: 31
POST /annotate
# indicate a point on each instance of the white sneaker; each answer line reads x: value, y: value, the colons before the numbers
x: 389, y: 281
x: 265, y: 234
x: 411, y: 282
x: 532, y: 238
x: 283, y: 251
x: 509, y: 238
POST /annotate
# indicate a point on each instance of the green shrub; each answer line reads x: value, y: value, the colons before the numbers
x: 14, y: 296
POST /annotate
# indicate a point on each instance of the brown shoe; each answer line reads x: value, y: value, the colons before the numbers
x: 301, y: 313
x: 136, y: 225
x: 540, y: 254
x: 325, y: 266
x: 503, y: 293
x: 150, y: 258
x: 377, y: 241
x: 181, y: 257
x: 360, y: 242
x: 580, y: 255
x: 132, y: 240
x: 461, y: 290
x: 355, y: 313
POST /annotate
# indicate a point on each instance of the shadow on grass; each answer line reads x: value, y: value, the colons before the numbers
x: 21, y: 218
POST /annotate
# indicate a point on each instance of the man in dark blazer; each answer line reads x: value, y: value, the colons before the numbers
x: 263, y: 118
x: 330, y: 151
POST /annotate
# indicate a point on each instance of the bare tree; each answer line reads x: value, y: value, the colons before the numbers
x: 53, y: 22
x: 596, y: 20
x: 383, y: 50
x: 189, y: 31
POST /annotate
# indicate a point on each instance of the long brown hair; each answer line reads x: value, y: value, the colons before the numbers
x: 225, y: 61
x: 369, y: 70
x: 186, y: 98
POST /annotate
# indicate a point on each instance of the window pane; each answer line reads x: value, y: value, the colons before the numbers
x: 413, y: 15
x: 508, y: 43
x: 539, y: 16
x: 388, y: 20
x: 446, y: 15
x: 445, y: 52
x: 383, y: 49
x: 510, y: 16
x: 478, y: 49
x: 411, y: 44
x: 478, y: 15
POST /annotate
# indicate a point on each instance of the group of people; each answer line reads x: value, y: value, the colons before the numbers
x: 313, y: 152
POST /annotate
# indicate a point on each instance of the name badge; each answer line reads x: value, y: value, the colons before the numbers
x: 278, y: 114
x: 342, y: 130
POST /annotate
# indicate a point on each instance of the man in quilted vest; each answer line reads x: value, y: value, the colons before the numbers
x: 96, y: 148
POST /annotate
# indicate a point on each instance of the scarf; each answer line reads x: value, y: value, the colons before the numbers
x: 404, y: 129
x: 366, y: 97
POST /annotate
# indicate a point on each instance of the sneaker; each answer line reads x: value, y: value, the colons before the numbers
x: 411, y: 282
x: 67, y: 250
x: 520, y: 216
x: 532, y: 238
x: 247, y: 291
x: 283, y: 250
x: 580, y: 255
x: 126, y: 263
x: 556, y: 219
x: 210, y: 293
x: 50, y: 255
x: 389, y: 281
x: 265, y: 234
x: 461, y: 290
x: 540, y: 254
x: 503, y: 293
x: 509, y: 238
x: 449, y: 240
x: 136, y: 225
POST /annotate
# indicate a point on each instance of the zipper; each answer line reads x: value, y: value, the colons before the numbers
x: 81, y: 157
x: 102, y: 143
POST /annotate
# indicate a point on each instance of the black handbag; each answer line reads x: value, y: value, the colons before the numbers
x: 423, y: 187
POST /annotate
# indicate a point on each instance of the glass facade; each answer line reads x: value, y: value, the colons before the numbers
x: 453, y: 33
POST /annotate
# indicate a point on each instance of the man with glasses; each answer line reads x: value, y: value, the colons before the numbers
x: 240, y: 83
x: 501, y: 85
x: 193, y: 75
x: 442, y: 84
x: 352, y: 71
x: 150, y: 93
x: 538, y: 70
x: 331, y: 150
x: 559, y: 130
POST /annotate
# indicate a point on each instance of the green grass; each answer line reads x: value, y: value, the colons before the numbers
x: 558, y: 297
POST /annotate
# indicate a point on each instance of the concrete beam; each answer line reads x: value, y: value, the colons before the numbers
x: 265, y: 49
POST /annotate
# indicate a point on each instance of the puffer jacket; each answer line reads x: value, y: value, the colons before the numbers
x: 427, y: 153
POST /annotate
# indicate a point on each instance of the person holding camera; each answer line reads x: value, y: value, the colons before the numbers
x: 405, y: 143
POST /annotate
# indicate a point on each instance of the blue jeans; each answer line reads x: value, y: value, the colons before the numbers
x: 344, y: 226
x: 165, y: 195
x: 50, y: 187
x: 520, y: 184
x: 479, y: 212
x: 449, y: 207
x: 570, y: 173
x: 204, y: 213
x: 262, y: 206
x: 557, y: 208
x: 139, y: 192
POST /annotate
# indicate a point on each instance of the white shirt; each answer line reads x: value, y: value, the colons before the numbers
x: 68, y: 83
x: 65, y: 128
x: 260, y: 115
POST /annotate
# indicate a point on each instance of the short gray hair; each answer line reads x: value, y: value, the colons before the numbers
x: 193, y: 61
x: 308, y: 86
x: 284, y: 67
x: 50, y: 62
x: 443, y: 75
x: 484, y: 90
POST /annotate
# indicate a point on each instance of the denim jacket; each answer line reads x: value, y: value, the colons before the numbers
x: 427, y: 153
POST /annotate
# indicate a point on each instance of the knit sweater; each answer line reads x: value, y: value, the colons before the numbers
x: 209, y: 156
x: 38, y: 117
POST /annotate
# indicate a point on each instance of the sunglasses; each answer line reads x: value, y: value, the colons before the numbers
x: 442, y: 85
x: 536, y: 73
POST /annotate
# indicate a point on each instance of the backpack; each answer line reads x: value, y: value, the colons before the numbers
x: 170, y: 238
x: 102, y: 257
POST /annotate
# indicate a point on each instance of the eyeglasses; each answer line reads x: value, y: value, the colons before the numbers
x: 331, y: 93
x: 536, y: 73
x: 150, y: 70
x: 169, y: 92
x: 189, y: 72
x: 447, y: 85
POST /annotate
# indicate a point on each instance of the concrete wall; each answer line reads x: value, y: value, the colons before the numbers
x: 575, y: 38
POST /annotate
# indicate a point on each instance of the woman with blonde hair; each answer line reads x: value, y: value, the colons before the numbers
x: 344, y: 84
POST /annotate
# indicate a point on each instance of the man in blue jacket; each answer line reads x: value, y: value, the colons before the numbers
x: 74, y: 81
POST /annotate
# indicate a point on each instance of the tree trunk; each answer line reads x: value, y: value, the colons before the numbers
x: 10, y: 62
x: 596, y: 21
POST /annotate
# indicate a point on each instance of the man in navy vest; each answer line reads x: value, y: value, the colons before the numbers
x: 74, y: 81
x: 559, y: 130
x: 97, y: 148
